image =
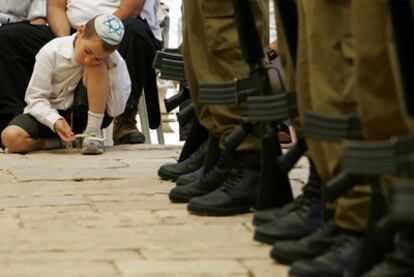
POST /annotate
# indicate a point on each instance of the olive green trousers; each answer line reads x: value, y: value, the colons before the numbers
x: 212, y: 54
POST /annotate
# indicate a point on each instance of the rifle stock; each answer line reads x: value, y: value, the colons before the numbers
x: 339, y: 185
x: 185, y: 115
x: 177, y: 99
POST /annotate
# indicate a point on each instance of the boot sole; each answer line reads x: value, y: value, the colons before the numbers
x: 272, y: 239
x: 132, y: 138
x: 264, y: 238
x: 177, y: 198
x: 212, y: 211
x: 166, y: 176
x: 258, y: 222
x: 283, y: 259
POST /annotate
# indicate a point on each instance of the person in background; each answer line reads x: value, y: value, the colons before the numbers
x: 138, y: 48
x: 84, y: 63
x: 23, y: 31
x: 150, y: 14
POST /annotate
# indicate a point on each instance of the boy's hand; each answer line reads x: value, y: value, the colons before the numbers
x: 109, y: 63
x: 64, y: 131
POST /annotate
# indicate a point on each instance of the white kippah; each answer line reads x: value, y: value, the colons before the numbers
x: 109, y: 28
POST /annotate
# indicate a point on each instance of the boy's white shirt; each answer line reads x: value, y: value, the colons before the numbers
x: 56, y: 75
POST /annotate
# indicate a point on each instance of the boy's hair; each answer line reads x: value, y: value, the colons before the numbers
x: 90, y: 32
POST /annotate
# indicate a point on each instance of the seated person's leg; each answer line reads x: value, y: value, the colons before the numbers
x: 25, y: 134
x: 138, y: 50
x: 19, y: 44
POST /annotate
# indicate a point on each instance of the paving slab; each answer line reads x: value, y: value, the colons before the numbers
x: 199, y: 268
x: 57, y: 269
x: 9, y: 202
x: 65, y: 214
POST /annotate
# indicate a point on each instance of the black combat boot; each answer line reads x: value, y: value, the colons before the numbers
x: 400, y: 262
x: 237, y: 193
x: 289, y: 251
x: 208, y: 182
x: 210, y: 160
x: 172, y: 171
x: 301, y: 221
x: 189, y: 177
x: 338, y: 261
x: 264, y: 216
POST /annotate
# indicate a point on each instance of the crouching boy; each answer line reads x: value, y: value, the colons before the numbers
x: 84, y: 68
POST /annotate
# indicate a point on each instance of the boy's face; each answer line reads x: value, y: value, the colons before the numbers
x: 89, y: 51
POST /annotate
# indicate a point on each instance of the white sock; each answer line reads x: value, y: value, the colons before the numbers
x: 52, y: 143
x: 94, y: 123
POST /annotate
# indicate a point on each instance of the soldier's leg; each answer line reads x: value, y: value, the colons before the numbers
x: 385, y: 89
x: 303, y: 215
x: 331, y: 93
x: 212, y: 55
x: 291, y: 250
x: 374, y: 86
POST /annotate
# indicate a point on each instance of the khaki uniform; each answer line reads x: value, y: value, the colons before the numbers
x: 326, y: 84
x: 377, y: 95
x: 380, y: 105
x: 212, y: 54
x: 344, y: 66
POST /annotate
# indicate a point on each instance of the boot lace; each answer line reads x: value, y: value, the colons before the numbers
x: 235, y: 177
x: 223, y: 165
x: 199, y: 152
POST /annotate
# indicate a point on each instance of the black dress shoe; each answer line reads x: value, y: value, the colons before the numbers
x: 302, y: 221
x: 237, y: 193
x: 288, y: 251
x: 340, y: 260
x: 400, y: 262
x: 189, y: 177
x: 208, y: 182
x: 192, y: 163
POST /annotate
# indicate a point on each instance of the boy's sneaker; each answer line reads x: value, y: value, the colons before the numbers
x: 92, y: 144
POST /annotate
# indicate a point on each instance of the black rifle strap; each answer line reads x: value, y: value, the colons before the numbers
x: 288, y: 13
x: 403, y: 24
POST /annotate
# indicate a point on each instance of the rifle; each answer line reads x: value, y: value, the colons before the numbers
x: 271, y: 170
x: 170, y: 64
x: 264, y: 112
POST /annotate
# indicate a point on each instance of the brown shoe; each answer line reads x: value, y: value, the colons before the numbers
x: 125, y: 129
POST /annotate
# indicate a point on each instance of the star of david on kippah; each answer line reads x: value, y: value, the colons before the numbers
x: 114, y: 25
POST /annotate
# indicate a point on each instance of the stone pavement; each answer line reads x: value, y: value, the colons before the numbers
x: 65, y: 214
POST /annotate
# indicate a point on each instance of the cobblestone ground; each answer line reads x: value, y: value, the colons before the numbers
x: 65, y: 214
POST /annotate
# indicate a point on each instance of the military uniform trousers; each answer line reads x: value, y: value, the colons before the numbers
x: 325, y: 84
x: 212, y: 54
